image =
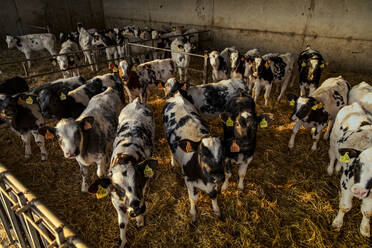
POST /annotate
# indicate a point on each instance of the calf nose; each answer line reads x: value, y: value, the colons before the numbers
x: 359, y: 191
x: 135, y: 204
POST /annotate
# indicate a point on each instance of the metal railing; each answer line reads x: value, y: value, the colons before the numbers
x: 127, y: 55
x: 29, y: 223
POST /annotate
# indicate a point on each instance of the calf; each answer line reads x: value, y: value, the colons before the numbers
x: 319, y: 108
x: 70, y: 61
x: 241, y: 123
x: 85, y: 42
x: 310, y: 66
x: 75, y: 101
x: 193, y: 147
x: 272, y: 69
x: 356, y: 181
x: 105, y: 39
x: 192, y: 37
x: 50, y: 98
x: 22, y: 113
x: 210, y: 99
x: 137, y: 79
x: 89, y: 138
x: 131, y: 165
x: 349, y: 130
x: 220, y: 63
x: 181, y: 60
x: 362, y: 94
x: 32, y: 42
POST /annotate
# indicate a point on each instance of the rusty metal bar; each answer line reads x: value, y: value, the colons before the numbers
x: 205, y: 71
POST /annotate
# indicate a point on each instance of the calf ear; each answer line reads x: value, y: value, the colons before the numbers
x: 103, y: 182
x: 265, y: 119
x: 26, y: 99
x: 87, y: 123
x: 224, y: 117
x: 48, y: 132
x: 147, y: 166
x: 291, y: 97
x: 352, y: 153
x: 53, y: 61
x: 188, y: 145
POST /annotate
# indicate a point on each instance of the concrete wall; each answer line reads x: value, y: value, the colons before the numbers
x: 340, y: 29
x: 21, y: 16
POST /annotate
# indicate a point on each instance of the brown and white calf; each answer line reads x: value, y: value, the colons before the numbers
x: 88, y: 139
x: 137, y: 79
x: 32, y: 42
x: 194, y: 148
x: 319, y: 108
x: 131, y: 165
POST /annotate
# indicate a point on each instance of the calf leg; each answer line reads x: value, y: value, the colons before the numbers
x: 311, y: 89
x: 193, y: 197
x: 122, y: 220
x: 88, y: 57
x: 332, y: 160
x: 294, y: 132
x: 109, y: 57
x: 267, y: 93
x: 216, y: 209
x: 101, y: 167
x: 366, y: 210
x: 345, y: 204
x: 84, y: 174
x: 316, y: 136
x: 228, y: 174
x: 302, y: 89
x: 39, y: 139
x: 27, y: 141
x: 257, y: 90
x: 329, y: 129
x: 129, y: 93
x: 284, y: 86
x: 242, y: 171
x: 28, y: 56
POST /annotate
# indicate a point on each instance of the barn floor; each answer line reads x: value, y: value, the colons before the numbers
x: 288, y: 200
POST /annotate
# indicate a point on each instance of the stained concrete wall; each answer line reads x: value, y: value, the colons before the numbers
x: 340, y: 29
x: 19, y: 17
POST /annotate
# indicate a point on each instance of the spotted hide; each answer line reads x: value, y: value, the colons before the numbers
x: 362, y: 94
x: 220, y: 62
x: 131, y: 165
x: 351, y: 129
x: 137, y: 79
x: 318, y: 109
x: 210, y: 99
x: 356, y: 181
x: 32, y: 42
x: 192, y: 146
x: 272, y: 69
x: 88, y: 138
x: 310, y: 66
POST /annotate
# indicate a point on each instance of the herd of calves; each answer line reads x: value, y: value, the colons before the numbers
x: 94, y: 123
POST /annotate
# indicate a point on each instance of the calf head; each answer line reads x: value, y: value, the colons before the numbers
x: 69, y: 133
x: 236, y: 59
x: 50, y: 103
x: 362, y: 170
x: 214, y: 59
x: 98, y: 40
x: 302, y: 106
x: 172, y: 86
x: 128, y: 178
x: 12, y: 41
x: 209, y: 156
x: 259, y: 66
x: 10, y: 104
x: 312, y: 68
x: 65, y: 61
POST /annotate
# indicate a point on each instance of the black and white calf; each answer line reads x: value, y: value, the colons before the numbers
x: 362, y: 94
x: 240, y: 129
x: 310, y: 66
x: 88, y: 139
x: 318, y: 109
x: 51, y: 100
x: 32, y: 42
x: 68, y: 63
x: 136, y: 79
x: 85, y: 42
x: 356, y: 181
x: 131, y: 165
x: 351, y: 128
x: 241, y: 66
x: 182, y: 61
x: 199, y: 154
x: 22, y: 114
x: 272, y: 69
x: 106, y: 39
x: 210, y: 99
x: 75, y: 101
x: 220, y: 63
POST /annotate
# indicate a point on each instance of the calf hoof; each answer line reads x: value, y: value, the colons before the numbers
x: 84, y: 188
x: 337, y: 225
x: 330, y: 170
x: 224, y: 186
x: 313, y: 147
x: 27, y: 156
x: 365, y: 231
x: 43, y: 157
x: 241, y: 186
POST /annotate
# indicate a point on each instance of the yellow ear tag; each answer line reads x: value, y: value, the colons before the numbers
x: 181, y: 49
x: 148, y: 172
x: 229, y: 122
x: 321, y: 66
x: 62, y: 96
x: 345, y: 158
x: 71, y: 59
x: 314, y: 107
x: 303, y: 64
x: 263, y: 123
x: 54, y: 62
x: 292, y: 102
x: 122, y: 32
x: 134, y: 68
x: 101, y: 192
x: 109, y: 33
x: 115, y: 69
x: 29, y: 100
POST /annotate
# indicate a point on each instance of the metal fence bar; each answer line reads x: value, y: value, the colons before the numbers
x: 39, y: 224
